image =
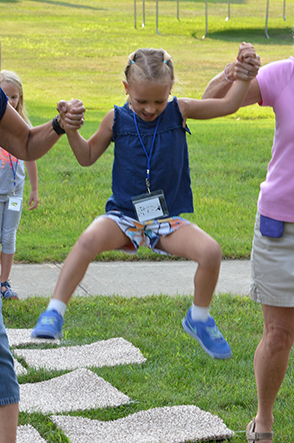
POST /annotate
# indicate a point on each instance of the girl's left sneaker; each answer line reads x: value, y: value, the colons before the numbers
x: 49, y: 326
x: 208, y: 335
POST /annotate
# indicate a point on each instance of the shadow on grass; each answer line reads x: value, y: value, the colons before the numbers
x: 277, y: 36
x: 51, y: 2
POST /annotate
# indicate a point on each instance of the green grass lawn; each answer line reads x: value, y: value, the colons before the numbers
x: 80, y: 48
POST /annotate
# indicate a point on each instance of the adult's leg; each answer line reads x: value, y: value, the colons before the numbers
x: 102, y: 235
x: 271, y: 361
x: 8, y: 423
x: 9, y: 389
x: 193, y: 243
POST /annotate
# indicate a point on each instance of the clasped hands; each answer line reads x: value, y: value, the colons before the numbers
x: 246, y: 64
x: 71, y: 114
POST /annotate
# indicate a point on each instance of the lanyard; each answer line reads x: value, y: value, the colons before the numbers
x: 13, y: 170
x: 150, y: 153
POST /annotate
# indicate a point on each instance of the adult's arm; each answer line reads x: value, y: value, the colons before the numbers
x: 245, y: 66
x: 31, y: 144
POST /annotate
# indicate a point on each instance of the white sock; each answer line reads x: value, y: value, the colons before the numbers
x: 56, y: 305
x: 198, y: 313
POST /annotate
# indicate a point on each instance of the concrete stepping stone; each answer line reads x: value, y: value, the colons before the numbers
x: 19, y: 369
x: 28, y: 434
x: 176, y: 424
x: 19, y: 337
x: 77, y: 390
x: 112, y: 352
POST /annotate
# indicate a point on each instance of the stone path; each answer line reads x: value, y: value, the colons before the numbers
x: 82, y: 389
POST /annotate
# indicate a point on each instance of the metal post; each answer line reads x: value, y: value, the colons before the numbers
x: 178, y: 10
x: 228, y: 17
x: 206, y: 19
x: 135, y: 15
x: 284, y: 10
x: 266, y: 19
x: 157, y: 18
x: 143, y: 22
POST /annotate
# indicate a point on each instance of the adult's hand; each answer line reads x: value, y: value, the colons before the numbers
x: 246, y: 64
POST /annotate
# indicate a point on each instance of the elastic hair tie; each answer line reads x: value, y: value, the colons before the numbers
x: 164, y: 61
x: 133, y: 61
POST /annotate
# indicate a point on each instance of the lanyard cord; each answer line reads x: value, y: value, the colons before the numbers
x: 13, y: 170
x: 151, y: 150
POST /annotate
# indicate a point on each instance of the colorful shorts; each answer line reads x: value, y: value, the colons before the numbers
x: 146, y: 234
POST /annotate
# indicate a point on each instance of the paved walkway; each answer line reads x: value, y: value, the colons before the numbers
x: 130, y: 278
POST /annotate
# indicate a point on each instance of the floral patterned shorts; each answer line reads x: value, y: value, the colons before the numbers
x: 146, y: 234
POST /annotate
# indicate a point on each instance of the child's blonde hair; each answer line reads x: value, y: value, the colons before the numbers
x: 13, y: 78
x: 151, y: 65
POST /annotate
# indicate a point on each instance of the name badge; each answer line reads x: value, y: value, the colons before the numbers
x: 14, y: 203
x: 150, y: 206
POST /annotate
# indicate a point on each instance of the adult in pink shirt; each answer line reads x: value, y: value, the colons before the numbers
x: 272, y: 258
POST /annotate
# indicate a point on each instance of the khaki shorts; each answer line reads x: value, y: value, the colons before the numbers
x: 272, y: 267
x: 146, y: 234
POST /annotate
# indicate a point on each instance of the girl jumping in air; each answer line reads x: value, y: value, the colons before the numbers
x: 150, y: 189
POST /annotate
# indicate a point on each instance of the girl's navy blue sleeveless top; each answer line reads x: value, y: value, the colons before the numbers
x: 169, y: 168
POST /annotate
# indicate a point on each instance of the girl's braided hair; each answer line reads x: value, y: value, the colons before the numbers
x: 151, y: 65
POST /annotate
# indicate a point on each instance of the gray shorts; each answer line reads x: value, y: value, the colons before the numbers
x: 272, y: 267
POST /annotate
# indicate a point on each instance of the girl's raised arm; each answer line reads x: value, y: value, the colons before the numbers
x: 215, y: 107
x: 88, y: 151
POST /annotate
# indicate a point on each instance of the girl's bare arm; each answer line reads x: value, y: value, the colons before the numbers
x: 31, y: 167
x: 215, y: 107
x: 88, y: 151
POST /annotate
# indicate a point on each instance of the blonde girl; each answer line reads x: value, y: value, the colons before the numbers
x: 12, y: 177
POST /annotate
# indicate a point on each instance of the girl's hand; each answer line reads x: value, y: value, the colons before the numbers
x: 34, y: 200
x: 71, y: 114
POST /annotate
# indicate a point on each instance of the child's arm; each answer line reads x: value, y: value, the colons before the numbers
x: 215, y: 107
x: 88, y: 151
x: 31, y: 167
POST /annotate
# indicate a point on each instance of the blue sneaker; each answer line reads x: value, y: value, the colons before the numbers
x: 208, y: 335
x: 49, y: 325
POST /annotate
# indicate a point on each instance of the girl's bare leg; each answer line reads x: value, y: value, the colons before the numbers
x: 102, y: 235
x: 193, y: 243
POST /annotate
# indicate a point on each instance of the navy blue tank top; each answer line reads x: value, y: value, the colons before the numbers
x: 169, y: 169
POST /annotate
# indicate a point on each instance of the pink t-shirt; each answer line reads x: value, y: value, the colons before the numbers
x: 276, y: 197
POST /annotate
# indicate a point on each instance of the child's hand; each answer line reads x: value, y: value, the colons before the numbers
x: 71, y: 114
x: 34, y: 200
